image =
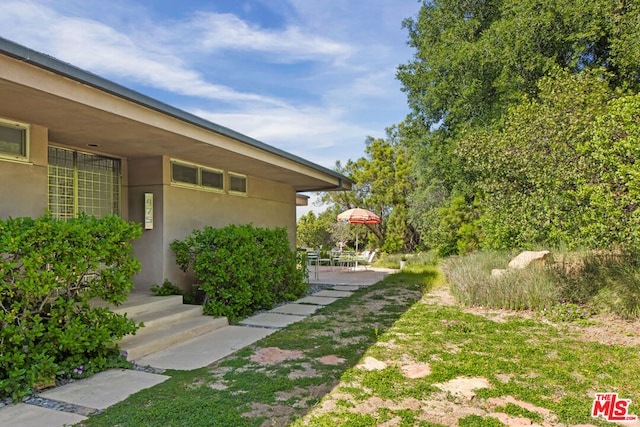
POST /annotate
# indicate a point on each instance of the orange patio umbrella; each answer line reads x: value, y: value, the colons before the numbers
x: 359, y: 216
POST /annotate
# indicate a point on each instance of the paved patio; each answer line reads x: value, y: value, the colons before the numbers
x: 334, y: 275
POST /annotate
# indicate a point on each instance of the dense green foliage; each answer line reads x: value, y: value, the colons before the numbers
x: 383, y: 182
x: 166, y: 289
x: 540, y: 174
x: 49, y: 270
x: 318, y: 231
x: 521, y: 127
x: 241, y: 268
x: 323, y: 232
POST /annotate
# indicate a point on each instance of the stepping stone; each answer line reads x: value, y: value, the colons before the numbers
x: 22, y: 415
x: 298, y: 309
x: 348, y: 288
x: 205, y: 349
x: 104, y: 389
x: 333, y: 294
x: 271, y: 320
x: 317, y: 300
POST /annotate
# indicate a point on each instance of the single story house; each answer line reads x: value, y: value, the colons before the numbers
x: 71, y: 141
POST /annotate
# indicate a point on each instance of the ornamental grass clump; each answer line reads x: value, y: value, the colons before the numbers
x: 607, y: 280
x: 524, y: 289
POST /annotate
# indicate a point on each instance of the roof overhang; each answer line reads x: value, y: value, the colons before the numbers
x: 82, y: 110
x: 302, y: 200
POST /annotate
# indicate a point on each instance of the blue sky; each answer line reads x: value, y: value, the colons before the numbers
x: 312, y: 77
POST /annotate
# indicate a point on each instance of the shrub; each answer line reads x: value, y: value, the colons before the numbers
x: 608, y: 280
x: 241, y: 268
x: 472, y: 283
x: 166, y: 289
x: 49, y: 270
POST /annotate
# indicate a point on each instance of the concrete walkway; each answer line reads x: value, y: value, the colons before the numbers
x: 90, y: 395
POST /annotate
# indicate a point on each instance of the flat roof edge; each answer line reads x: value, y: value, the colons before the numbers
x: 49, y: 63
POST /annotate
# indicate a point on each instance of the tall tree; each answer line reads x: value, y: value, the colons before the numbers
x: 474, y: 60
x: 383, y: 180
x: 531, y: 169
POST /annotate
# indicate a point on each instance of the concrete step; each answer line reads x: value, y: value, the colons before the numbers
x: 166, y: 316
x: 159, y: 338
x: 167, y: 322
x: 139, y: 304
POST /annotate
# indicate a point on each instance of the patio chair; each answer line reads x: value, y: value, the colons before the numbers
x: 313, y: 261
x: 365, y: 258
x: 346, y: 259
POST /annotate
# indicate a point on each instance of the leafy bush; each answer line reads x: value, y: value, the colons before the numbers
x: 49, y: 270
x: 241, y: 268
x: 166, y: 289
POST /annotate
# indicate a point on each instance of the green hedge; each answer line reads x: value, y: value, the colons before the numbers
x: 49, y: 270
x: 242, y: 268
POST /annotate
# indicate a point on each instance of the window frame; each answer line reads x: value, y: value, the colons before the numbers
x: 199, y: 169
x: 80, y: 183
x: 246, y: 184
x: 27, y: 141
x: 184, y: 164
x: 214, y: 171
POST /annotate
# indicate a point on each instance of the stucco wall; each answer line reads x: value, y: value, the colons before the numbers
x: 24, y: 189
x: 178, y: 210
x: 146, y: 176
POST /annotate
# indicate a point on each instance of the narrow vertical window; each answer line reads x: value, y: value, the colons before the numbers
x: 237, y: 183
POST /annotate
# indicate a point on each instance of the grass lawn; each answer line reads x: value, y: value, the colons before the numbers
x: 399, y: 353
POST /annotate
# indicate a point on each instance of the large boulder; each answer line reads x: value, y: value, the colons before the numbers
x: 524, y: 259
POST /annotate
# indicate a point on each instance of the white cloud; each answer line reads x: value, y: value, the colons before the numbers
x: 346, y: 92
x: 318, y: 134
x: 97, y: 47
x: 226, y: 31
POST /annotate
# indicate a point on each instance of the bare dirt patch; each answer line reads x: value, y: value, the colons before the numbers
x: 418, y: 370
x: 272, y: 355
x: 440, y: 296
x: 464, y: 387
x: 331, y: 360
x: 603, y: 328
x: 458, y: 399
x: 609, y: 330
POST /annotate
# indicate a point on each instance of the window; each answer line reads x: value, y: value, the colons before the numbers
x: 237, y: 183
x: 212, y: 179
x: 14, y: 140
x: 80, y: 182
x: 185, y: 173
